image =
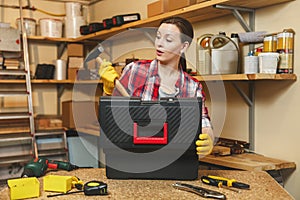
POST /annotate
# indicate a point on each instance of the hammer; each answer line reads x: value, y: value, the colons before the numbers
x: 94, y: 54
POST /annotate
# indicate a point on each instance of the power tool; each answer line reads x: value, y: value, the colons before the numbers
x: 38, y: 166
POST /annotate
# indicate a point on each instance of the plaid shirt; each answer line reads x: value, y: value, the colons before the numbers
x: 141, y: 79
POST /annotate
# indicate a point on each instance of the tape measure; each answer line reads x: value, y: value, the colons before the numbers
x: 95, y: 188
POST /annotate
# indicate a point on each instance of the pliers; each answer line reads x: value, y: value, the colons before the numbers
x: 203, y: 192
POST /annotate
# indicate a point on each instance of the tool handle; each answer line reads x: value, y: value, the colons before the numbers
x: 121, y: 88
x: 240, y: 185
x: 211, y: 181
x: 220, y: 181
x: 118, y: 85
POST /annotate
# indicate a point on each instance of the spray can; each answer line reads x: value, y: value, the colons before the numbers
x: 285, y: 48
x: 203, y: 60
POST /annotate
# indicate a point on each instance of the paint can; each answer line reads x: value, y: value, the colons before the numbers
x: 285, y: 48
x: 270, y: 43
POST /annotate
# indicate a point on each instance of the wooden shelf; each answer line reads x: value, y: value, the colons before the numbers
x: 223, y: 77
x: 41, y: 81
x: 247, y: 77
x: 194, y: 13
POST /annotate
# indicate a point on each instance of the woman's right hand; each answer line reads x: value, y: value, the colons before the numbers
x: 108, y: 75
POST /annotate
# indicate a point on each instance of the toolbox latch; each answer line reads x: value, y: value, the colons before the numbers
x: 152, y: 139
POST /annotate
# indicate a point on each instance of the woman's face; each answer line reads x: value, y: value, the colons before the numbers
x: 168, y: 43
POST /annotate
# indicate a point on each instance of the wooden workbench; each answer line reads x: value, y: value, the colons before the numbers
x: 263, y: 186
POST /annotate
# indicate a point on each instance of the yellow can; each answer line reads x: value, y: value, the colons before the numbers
x: 285, y: 40
x: 270, y: 43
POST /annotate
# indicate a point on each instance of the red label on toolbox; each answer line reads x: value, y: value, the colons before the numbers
x: 150, y: 140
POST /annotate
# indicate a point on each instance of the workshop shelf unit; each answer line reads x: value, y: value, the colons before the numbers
x: 195, y: 13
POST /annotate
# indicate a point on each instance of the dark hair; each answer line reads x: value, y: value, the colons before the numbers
x: 187, y: 31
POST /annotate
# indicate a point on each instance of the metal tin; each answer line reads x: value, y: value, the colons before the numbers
x: 270, y: 43
x: 285, y: 48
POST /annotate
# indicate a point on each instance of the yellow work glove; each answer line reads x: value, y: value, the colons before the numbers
x: 108, y: 75
x: 204, y: 145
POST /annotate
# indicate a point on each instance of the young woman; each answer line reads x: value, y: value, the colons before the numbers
x: 164, y: 76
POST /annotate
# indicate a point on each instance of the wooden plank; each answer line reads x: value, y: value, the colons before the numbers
x: 11, y: 130
x: 249, y: 161
x: 263, y: 76
x: 220, y: 151
x: 222, y: 77
x: 89, y: 130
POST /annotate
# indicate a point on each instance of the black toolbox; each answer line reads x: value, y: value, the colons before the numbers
x: 150, y: 139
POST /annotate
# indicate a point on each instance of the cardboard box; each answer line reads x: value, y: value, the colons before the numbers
x: 74, y: 49
x: 10, y: 39
x: 157, y: 8
x: 44, y: 122
x: 175, y: 4
x: 79, y: 113
x: 72, y: 73
x: 75, y: 62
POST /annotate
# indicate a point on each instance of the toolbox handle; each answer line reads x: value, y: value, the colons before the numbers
x: 150, y: 140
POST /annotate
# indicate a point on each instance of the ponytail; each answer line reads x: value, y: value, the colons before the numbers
x: 182, y: 62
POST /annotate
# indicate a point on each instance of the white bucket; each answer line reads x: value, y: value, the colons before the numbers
x: 51, y: 27
x: 268, y: 62
x: 72, y: 26
x: 73, y: 9
x: 29, y: 25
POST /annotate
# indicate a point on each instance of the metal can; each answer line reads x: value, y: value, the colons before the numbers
x: 285, y: 40
x: 270, y: 43
x: 285, y: 48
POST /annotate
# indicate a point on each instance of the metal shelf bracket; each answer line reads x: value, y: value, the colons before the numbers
x: 249, y: 99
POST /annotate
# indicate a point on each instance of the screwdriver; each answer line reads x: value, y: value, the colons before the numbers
x: 221, y: 181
